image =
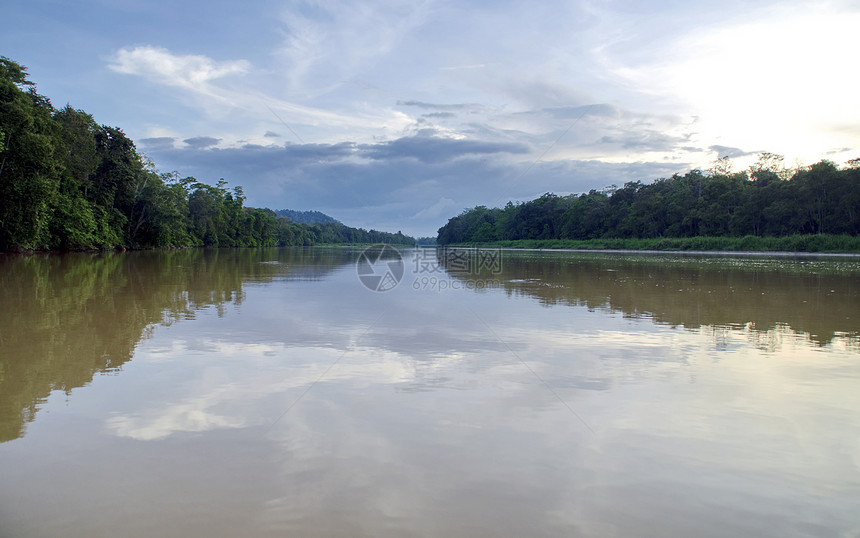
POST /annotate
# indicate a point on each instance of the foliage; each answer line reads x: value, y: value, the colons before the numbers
x: 749, y: 243
x: 68, y: 183
x: 769, y: 202
x: 28, y: 188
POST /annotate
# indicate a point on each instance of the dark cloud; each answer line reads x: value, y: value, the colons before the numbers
x: 159, y: 143
x: 440, y: 115
x: 272, y: 134
x: 258, y: 159
x: 389, y: 185
x: 728, y: 151
x: 428, y: 149
x: 315, y: 153
x: 201, y: 142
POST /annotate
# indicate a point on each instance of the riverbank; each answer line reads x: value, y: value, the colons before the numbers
x: 839, y: 244
x: 190, y: 247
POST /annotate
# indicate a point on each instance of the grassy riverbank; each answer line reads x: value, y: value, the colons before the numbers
x: 792, y: 243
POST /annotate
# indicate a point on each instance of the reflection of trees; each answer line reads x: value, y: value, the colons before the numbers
x: 67, y: 317
x: 689, y: 294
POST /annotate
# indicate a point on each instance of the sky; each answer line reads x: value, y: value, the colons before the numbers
x: 399, y: 115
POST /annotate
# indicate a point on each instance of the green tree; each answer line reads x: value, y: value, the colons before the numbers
x: 28, y: 176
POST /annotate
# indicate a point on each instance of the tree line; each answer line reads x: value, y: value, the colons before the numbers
x: 69, y: 183
x: 766, y: 201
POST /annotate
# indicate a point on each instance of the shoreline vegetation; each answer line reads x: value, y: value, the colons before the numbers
x: 823, y: 244
x: 68, y: 183
x: 767, y: 208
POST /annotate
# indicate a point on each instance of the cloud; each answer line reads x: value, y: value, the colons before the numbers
x: 271, y: 134
x: 328, y: 43
x: 225, y: 97
x: 728, y: 151
x: 435, y: 106
x: 431, y: 149
x: 439, y: 115
x: 201, y: 142
x: 187, y: 71
x: 158, y: 143
x: 412, y: 184
x: 646, y: 140
x: 573, y: 112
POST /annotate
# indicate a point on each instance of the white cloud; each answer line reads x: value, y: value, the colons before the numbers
x: 331, y: 42
x: 193, y: 72
x: 208, y: 85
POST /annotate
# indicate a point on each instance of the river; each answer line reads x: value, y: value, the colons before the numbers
x: 329, y: 391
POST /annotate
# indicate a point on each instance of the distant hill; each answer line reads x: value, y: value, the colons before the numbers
x: 305, y: 217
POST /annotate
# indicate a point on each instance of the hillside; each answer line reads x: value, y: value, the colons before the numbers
x: 305, y: 217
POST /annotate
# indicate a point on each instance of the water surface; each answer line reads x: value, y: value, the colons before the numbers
x: 268, y: 392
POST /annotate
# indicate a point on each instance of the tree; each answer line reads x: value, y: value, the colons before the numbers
x: 769, y: 162
x: 76, y: 149
x: 722, y: 166
x: 28, y: 177
x: 817, y: 199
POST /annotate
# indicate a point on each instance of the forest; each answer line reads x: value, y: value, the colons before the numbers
x: 69, y: 183
x: 767, y: 201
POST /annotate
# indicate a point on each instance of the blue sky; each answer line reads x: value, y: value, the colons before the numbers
x: 399, y: 115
